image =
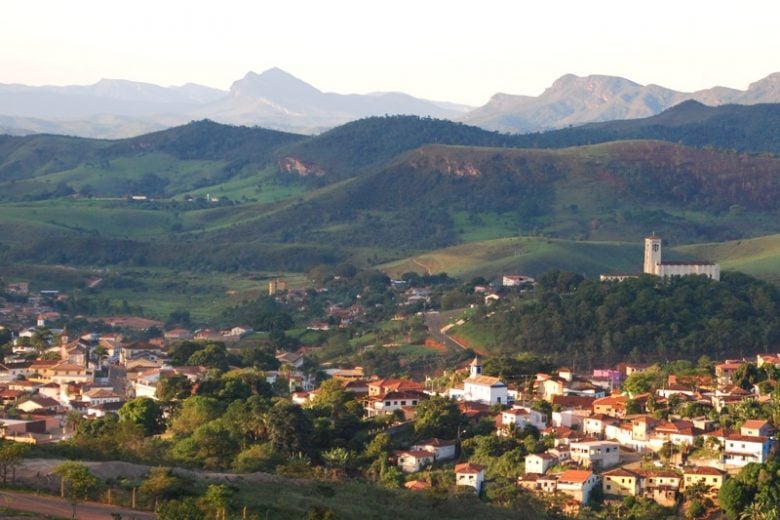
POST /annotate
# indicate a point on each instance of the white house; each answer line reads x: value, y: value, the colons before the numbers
x: 469, y: 474
x: 413, y: 460
x: 483, y: 389
x: 539, y: 462
x: 741, y: 450
x: 577, y: 483
x: 441, y: 449
x: 519, y: 417
x: 595, y: 454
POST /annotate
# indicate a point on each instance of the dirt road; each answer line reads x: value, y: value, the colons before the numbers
x: 46, y: 505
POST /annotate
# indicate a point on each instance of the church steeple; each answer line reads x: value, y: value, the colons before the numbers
x: 475, y: 368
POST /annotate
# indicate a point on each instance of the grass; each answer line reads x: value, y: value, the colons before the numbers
x: 759, y: 257
x: 354, y: 499
x: 531, y: 255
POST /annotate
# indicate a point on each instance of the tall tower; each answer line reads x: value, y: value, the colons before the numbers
x: 652, y: 254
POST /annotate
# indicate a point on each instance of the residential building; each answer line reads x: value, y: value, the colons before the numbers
x: 577, y: 483
x: 469, y: 474
x: 621, y: 482
x: 595, y: 454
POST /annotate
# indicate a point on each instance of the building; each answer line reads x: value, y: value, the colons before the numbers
x: 654, y: 265
x: 711, y: 477
x: 441, y: 449
x: 741, y: 450
x: 483, y: 389
x: 469, y: 474
x: 595, y: 454
x: 577, y: 483
x: 413, y: 461
x: 539, y: 462
x: 621, y: 482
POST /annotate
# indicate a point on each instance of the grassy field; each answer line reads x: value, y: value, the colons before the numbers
x: 353, y: 499
x: 531, y: 255
x: 759, y: 257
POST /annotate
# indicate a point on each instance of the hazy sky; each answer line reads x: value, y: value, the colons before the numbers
x: 447, y: 50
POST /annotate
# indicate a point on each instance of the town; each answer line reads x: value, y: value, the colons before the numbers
x: 609, y: 439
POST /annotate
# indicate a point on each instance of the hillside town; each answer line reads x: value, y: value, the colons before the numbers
x: 615, y: 432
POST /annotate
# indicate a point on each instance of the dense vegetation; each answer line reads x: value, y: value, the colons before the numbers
x: 587, y: 323
x: 743, y: 128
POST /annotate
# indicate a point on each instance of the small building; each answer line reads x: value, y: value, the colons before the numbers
x: 577, y: 483
x: 469, y: 474
x: 709, y: 476
x: 413, y: 461
x: 595, y: 454
x: 539, y: 462
x: 441, y: 449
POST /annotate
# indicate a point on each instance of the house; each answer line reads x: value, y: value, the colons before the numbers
x: 596, y: 425
x: 518, y: 418
x: 725, y: 371
x: 483, y: 389
x: 662, y: 487
x: 177, y: 334
x: 539, y: 462
x: 740, y: 450
x: 612, y: 405
x: 469, y: 474
x: 383, y: 386
x: 11, y: 371
x: 595, y: 454
x: 621, y: 482
x: 441, y: 449
x: 392, y: 401
x: 38, y: 403
x: 549, y: 387
x: 709, y: 476
x: 577, y: 483
x: 413, y: 461
x: 516, y: 280
x: 756, y: 428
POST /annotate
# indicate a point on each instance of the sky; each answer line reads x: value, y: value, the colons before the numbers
x: 452, y: 50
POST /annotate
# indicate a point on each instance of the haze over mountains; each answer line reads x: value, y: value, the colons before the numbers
x: 276, y: 99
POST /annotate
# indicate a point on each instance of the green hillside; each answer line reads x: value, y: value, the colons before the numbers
x: 370, y: 192
x: 759, y: 257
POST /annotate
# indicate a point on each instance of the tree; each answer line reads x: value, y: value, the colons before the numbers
x: 77, y: 482
x: 438, y: 417
x: 214, y: 355
x: 173, y: 388
x: 161, y: 483
x: 195, y: 411
x: 11, y: 455
x: 146, y: 413
x: 289, y: 429
x: 217, y: 500
x: 185, y: 509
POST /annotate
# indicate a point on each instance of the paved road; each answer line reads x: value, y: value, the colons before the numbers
x: 47, y: 505
x: 433, y: 322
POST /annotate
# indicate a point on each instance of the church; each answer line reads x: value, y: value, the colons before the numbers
x: 655, y: 266
x: 480, y: 388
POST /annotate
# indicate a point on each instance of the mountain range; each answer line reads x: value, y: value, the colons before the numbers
x: 278, y: 100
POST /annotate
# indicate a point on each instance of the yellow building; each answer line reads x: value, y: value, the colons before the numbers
x: 621, y: 482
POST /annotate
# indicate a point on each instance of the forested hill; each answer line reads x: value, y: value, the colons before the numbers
x: 587, y: 323
x: 742, y: 128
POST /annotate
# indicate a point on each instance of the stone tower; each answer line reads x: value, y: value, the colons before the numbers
x: 652, y: 254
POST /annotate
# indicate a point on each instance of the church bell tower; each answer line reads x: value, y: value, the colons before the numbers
x: 652, y: 254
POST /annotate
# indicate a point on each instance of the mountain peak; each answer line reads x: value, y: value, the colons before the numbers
x: 274, y: 83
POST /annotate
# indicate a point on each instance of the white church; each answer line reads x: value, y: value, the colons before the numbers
x: 655, y: 266
x: 480, y: 388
